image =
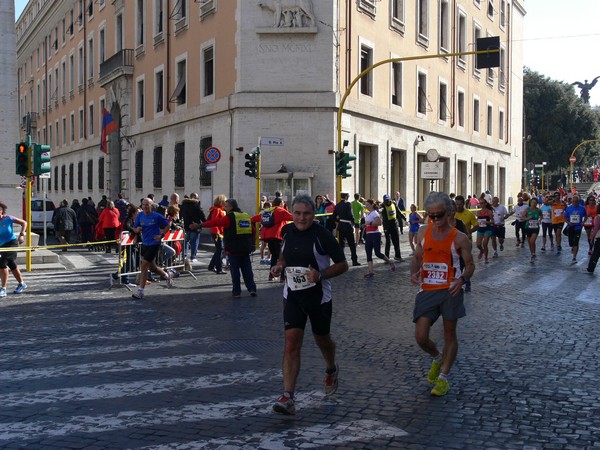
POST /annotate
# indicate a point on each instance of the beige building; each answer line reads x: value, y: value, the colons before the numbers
x: 181, y: 76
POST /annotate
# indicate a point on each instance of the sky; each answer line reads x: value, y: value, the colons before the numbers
x: 561, y: 40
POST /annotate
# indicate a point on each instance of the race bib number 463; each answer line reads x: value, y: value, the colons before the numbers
x: 435, y: 273
x: 296, y: 278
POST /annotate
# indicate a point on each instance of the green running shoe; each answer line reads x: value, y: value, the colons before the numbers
x: 441, y: 387
x: 434, y: 372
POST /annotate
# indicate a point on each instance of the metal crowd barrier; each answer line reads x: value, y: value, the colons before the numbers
x: 130, y: 256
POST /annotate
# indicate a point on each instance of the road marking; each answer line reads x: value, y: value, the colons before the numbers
x: 80, y: 262
x: 101, y: 323
x: 99, y: 337
x: 136, y: 388
x: 104, y: 423
x: 309, y: 437
x: 87, y: 351
x: 123, y: 366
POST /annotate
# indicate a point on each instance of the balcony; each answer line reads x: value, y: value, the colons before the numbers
x: 120, y: 64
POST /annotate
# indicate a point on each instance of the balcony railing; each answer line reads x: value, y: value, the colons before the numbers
x: 120, y: 60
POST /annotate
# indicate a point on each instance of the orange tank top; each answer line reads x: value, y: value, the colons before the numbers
x: 590, y: 213
x: 441, y: 261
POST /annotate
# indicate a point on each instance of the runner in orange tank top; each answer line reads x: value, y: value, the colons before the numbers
x: 436, y: 266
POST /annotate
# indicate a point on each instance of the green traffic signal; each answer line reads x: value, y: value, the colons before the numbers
x: 41, y: 159
x: 342, y: 164
x: 22, y: 157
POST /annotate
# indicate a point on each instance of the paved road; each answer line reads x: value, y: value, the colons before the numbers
x: 85, y: 366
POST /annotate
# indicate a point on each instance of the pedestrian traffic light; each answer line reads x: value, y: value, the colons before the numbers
x: 22, y: 159
x: 41, y: 159
x: 342, y: 164
x: 252, y: 163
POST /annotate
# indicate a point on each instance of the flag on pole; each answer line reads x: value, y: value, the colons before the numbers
x: 108, y: 126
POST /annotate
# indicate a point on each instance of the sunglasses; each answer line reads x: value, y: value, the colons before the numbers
x: 436, y: 216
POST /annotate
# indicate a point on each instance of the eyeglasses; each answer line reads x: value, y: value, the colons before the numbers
x: 436, y: 216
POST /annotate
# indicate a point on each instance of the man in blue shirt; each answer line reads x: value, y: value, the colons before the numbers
x: 574, y: 216
x: 153, y: 227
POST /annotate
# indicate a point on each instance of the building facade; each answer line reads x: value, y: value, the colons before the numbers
x: 182, y: 76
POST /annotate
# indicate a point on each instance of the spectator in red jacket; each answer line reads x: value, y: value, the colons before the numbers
x: 109, y: 221
x: 273, y: 220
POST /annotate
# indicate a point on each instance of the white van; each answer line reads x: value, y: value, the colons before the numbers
x: 37, y: 214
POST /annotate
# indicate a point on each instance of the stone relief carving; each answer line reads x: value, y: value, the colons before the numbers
x: 294, y: 14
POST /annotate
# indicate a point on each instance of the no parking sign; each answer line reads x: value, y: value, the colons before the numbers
x: 212, y: 155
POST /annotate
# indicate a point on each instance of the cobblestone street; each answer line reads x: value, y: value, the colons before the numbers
x: 85, y: 366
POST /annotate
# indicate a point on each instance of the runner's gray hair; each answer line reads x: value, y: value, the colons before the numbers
x: 438, y: 198
x: 306, y: 199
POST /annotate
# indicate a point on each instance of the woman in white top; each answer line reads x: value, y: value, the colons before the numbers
x: 373, y: 238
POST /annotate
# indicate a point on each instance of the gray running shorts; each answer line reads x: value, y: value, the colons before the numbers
x: 432, y: 304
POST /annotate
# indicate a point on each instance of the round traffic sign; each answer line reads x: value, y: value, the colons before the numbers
x: 572, y: 159
x: 212, y: 155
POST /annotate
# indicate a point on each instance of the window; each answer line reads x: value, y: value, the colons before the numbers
x: 461, y: 109
x: 101, y: 45
x: 81, y: 68
x: 101, y: 174
x: 207, y: 7
x: 443, y: 104
x: 444, y: 25
x: 140, y: 14
x: 502, y: 69
x: 64, y: 130
x: 91, y: 8
x: 64, y: 29
x: 90, y: 59
x: 180, y: 11
x: 157, y: 168
x: 397, y: 21
x: 72, y: 127
x: 423, y: 22
x: 367, y: 6
x: 501, y: 124
x: 57, y: 140
x: 64, y: 79
x: 179, y: 96
x: 71, y: 176
x: 490, y: 9
x: 179, y: 171
x: 397, y: 83
x: 81, y: 123
x: 366, y: 60
x: 158, y: 16
x: 140, y: 97
x: 139, y: 169
x: 90, y: 174
x: 80, y: 175
x: 71, y: 73
x: 502, y: 13
x: 422, y: 93
x: 56, y: 179
x: 489, y: 119
x: 208, y: 68
x: 205, y: 176
x: 49, y: 135
x: 63, y: 178
x: 462, y: 38
x: 158, y: 90
x: 91, y: 118
x: 476, y: 36
x: 119, y: 33
x: 476, y: 115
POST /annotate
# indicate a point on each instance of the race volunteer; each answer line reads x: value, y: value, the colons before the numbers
x: 305, y: 256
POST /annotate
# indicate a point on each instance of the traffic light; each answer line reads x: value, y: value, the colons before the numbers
x: 252, y: 163
x: 41, y: 159
x: 342, y: 164
x: 22, y: 158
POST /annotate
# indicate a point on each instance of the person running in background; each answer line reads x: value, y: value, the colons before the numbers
x: 519, y: 210
x: 591, y: 211
x: 575, y: 217
x: 485, y: 220
x: 414, y: 223
x: 498, y: 227
x: 8, y: 241
x: 373, y: 238
x: 465, y: 216
x: 436, y: 267
x: 533, y: 217
x: 306, y: 256
x: 547, y: 223
x: 558, y: 219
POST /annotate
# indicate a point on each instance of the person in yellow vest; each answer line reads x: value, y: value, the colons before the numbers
x: 238, y: 242
x: 436, y: 266
x: 390, y: 214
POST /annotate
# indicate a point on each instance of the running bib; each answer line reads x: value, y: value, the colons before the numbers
x: 575, y: 218
x: 533, y: 224
x: 435, y: 273
x: 482, y: 223
x: 558, y: 212
x: 296, y: 278
x: 546, y: 214
x: 589, y: 221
